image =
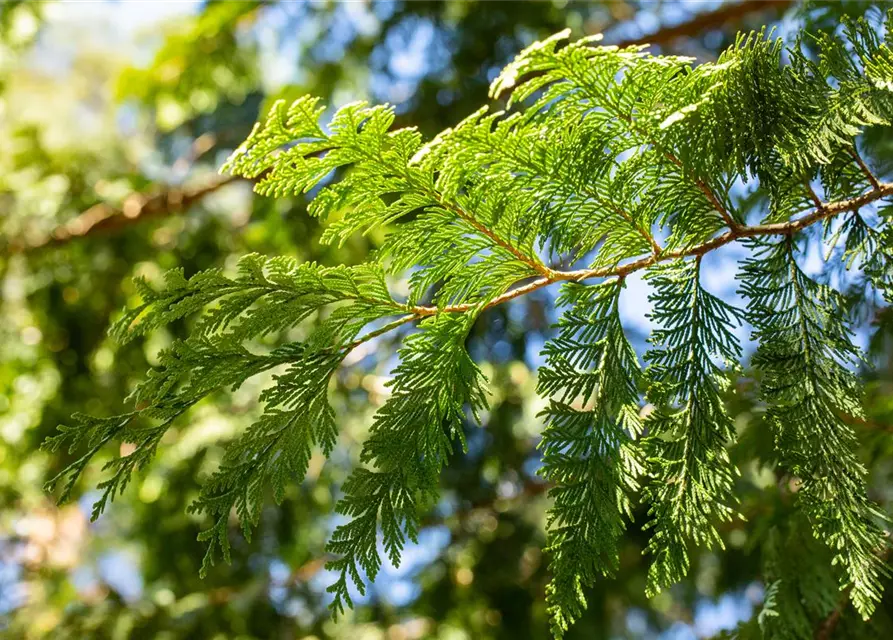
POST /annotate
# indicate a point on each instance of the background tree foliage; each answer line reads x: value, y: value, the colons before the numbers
x: 111, y: 139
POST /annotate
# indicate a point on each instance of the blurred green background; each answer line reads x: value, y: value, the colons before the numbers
x: 114, y: 117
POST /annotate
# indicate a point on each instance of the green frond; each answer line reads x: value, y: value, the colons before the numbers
x: 274, y: 452
x: 689, y: 429
x: 804, y: 355
x: 265, y: 296
x: 588, y: 444
x: 411, y: 437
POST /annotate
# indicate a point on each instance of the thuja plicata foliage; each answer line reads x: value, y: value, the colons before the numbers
x: 610, y: 160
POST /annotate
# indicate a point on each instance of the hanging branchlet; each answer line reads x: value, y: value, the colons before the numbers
x: 589, y: 451
x: 804, y: 353
x: 689, y: 429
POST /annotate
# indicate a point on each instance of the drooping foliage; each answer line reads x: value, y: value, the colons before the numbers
x: 689, y: 429
x: 611, y: 161
x: 804, y: 350
x: 588, y: 444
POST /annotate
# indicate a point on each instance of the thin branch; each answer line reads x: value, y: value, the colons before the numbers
x: 822, y: 212
x: 534, y: 264
x: 780, y: 228
x: 827, y: 210
x: 726, y: 14
x: 826, y: 629
x: 816, y: 201
x: 655, y: 247
x: 591, y: 193
x: 864, y: 168
x: 702, y: 186
x: 872, y: 425
x: 137, y: 207
x: 199, y: 147
x: 382, y: 330
x: 464, y: 215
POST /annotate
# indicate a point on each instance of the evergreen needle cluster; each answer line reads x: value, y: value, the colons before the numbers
x: 610, y: 160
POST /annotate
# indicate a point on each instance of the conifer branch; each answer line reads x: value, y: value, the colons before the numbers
x: 382, y: 330
x: 607, y: 145
x: 826, y: 211
x: 823, y: 212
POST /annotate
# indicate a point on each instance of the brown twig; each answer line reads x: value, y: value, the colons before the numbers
x: 864, y: 168
x: 712, y: 198
x: 816, y: 201
x: 827, y: 210
x: 496, y: 239
x: 702, y: 186
x: 726, y: 14
x: 822, y: 212
x: 136, y: 207
x: 199, y: 147
x: 872, y: 425
x: 830, y: 623
x: 826, y: 629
